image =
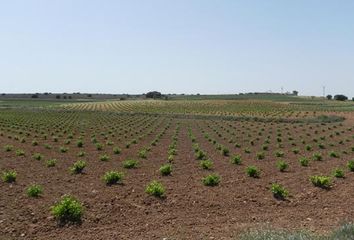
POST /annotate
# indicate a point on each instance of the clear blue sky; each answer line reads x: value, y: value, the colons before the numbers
x: 177, y: 46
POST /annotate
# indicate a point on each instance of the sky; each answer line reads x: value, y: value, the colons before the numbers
x: 184, y: 46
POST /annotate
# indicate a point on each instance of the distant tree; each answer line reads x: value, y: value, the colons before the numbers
x: 295, y: 93
x: 352, y: 98
x: 34, y: 96
x: 89, y: 95
x: 57, y: 96
x: 340, y: 97
x: 329, y: 97
x: 153, y: 94
x: 70, y: 97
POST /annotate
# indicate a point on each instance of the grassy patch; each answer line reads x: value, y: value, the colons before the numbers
x: 344, y: 232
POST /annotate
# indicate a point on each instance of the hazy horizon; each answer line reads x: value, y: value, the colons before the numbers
x: 164, y: 93
x: 198, y: 46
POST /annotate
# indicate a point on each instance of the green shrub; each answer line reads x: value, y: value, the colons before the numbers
x: 321, y: 146
x: 260, y: 155
x: 253, y: 171
x: 8, y: 148
x: 81, y: 154
x: 109, y: 143
x: 282, y: 165
x: 117, y: 150
x: 247, y: 150
x: 20, y: 152
x: 47, y: 146
x: 321, y: 181
x: 333, y: 154
x: 166, y: 169
x: 68, y: 209
x: 279, y: 153
x: 34, y: 190
x: 63, y: 149
x: 265, y: 147
x: 51, y: 162
x: 104, y: 158
x: 170, y: 158
x: 195, y: 147
x: 130, y: 163
x: 172, y: 151
x: 225, y: 151
x: 308, y: 147
x: 317, y: 156
x: 211, y: 180
x: 295, y: 150
x: 80, y: 143
x: 113, y: 177
x: 142, y: 154
x: 155, y: 188
x: 236, y: 160
x: 99, y: 146
x: 338, y: 173
x: 279, y: 191
x: 200, y: 155
x: 206, y: 164
x: 304, y: 161
x: 37, y: 156
x: 350, y: 165
x: 9, y: 176
x: 78, y: 167
x: 154, y: 143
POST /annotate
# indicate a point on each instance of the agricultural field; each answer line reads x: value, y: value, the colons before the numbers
x: 176, y: 169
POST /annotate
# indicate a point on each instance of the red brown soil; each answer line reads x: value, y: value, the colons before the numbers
x: 190, y: 210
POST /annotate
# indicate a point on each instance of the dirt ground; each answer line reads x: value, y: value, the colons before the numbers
x: 190, y: 210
